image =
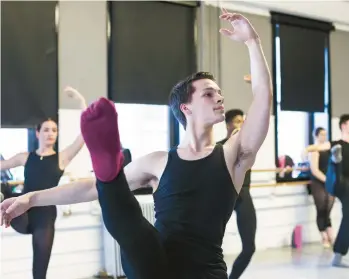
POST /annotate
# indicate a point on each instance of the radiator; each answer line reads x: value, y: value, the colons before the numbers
x: 112, y: 258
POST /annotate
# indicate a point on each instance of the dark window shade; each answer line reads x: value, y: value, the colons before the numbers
x: 29, y: 81
x: 302, y: 57
x: 152, y: 47
x: 285, y: 19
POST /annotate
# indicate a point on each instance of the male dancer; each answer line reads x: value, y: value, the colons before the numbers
x: 337, y: 183
x: 244, y: 208
x: 198, y: 181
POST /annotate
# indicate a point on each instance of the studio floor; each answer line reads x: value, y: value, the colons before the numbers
x: 312, y: 262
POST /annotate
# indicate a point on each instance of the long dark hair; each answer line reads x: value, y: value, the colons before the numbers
x: 318, y: 130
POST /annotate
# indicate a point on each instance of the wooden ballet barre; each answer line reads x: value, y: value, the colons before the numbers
x: 280, y: 184
x: 278, y: 170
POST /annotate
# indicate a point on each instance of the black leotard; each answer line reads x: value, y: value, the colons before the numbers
x: 40, y: 173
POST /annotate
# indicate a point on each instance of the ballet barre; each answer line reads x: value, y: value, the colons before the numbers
x: 279, y: 170
x: 280, y: 184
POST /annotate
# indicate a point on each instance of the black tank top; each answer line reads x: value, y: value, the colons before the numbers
x: 323, y: 163
x: 41, y: 174
x: 193, y: 203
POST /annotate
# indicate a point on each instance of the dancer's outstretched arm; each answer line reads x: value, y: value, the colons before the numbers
x: 69, y: 153
x: 75, y: 192
x: 137, y: 174
x: 243, y: 147
x: 84, y: 190
x: 318, y: 147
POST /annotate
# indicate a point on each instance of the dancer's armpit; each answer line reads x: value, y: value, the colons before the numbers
x: 142, y: 171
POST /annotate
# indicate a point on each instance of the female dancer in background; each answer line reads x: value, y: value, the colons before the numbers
x: 43, y: 169
x: 322, y: 199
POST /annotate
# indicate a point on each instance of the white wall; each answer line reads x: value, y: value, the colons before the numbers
x: 82, y: 49
x: 77, y: 250
x: 279, y: 210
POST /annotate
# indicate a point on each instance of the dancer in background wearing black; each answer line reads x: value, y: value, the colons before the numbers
x: 337, y: 183
x: 43, y: 169
x: 198, y: 181
x: 244, y: 207
x: 322, y: 199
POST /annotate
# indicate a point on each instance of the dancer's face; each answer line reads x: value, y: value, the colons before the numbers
x: 345, y: 127
x: 322, y: 136
x: 236, y: 123
x: 206, y: 106
x: 47, y: 135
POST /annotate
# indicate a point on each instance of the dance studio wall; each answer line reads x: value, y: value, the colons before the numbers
x: 339, y: 50
x: 83, y: 65
x: 82, y: 46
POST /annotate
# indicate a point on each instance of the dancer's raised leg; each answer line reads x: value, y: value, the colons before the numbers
x: 139, y: 240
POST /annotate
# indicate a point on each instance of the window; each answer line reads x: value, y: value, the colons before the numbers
x: 143, y: 128
x: 323, y: 119
x: 292, y: 132
x: 294, y: 129
x: 14, y: 141
x: 145, y: 74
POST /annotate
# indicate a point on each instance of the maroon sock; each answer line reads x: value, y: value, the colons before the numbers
x: 99, y: 128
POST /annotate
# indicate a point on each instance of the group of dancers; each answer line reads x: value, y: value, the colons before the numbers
x: 330, y: 180
x: 196, y: 185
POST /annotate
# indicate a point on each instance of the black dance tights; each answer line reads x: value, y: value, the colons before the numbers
x: 324, y: 203
x: 39, y: 222
x: 247, y: 225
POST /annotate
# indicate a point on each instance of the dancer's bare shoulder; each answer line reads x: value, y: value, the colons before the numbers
x: 146, y: 170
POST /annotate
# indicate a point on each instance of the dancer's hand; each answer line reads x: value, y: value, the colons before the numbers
x: 242, y: 30
x: 4, y: 218
x: 12, y: 208
x: 76, y: 95
x: 247, y: 78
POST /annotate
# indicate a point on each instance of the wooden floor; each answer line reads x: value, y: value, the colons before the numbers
x: 312, y: 262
